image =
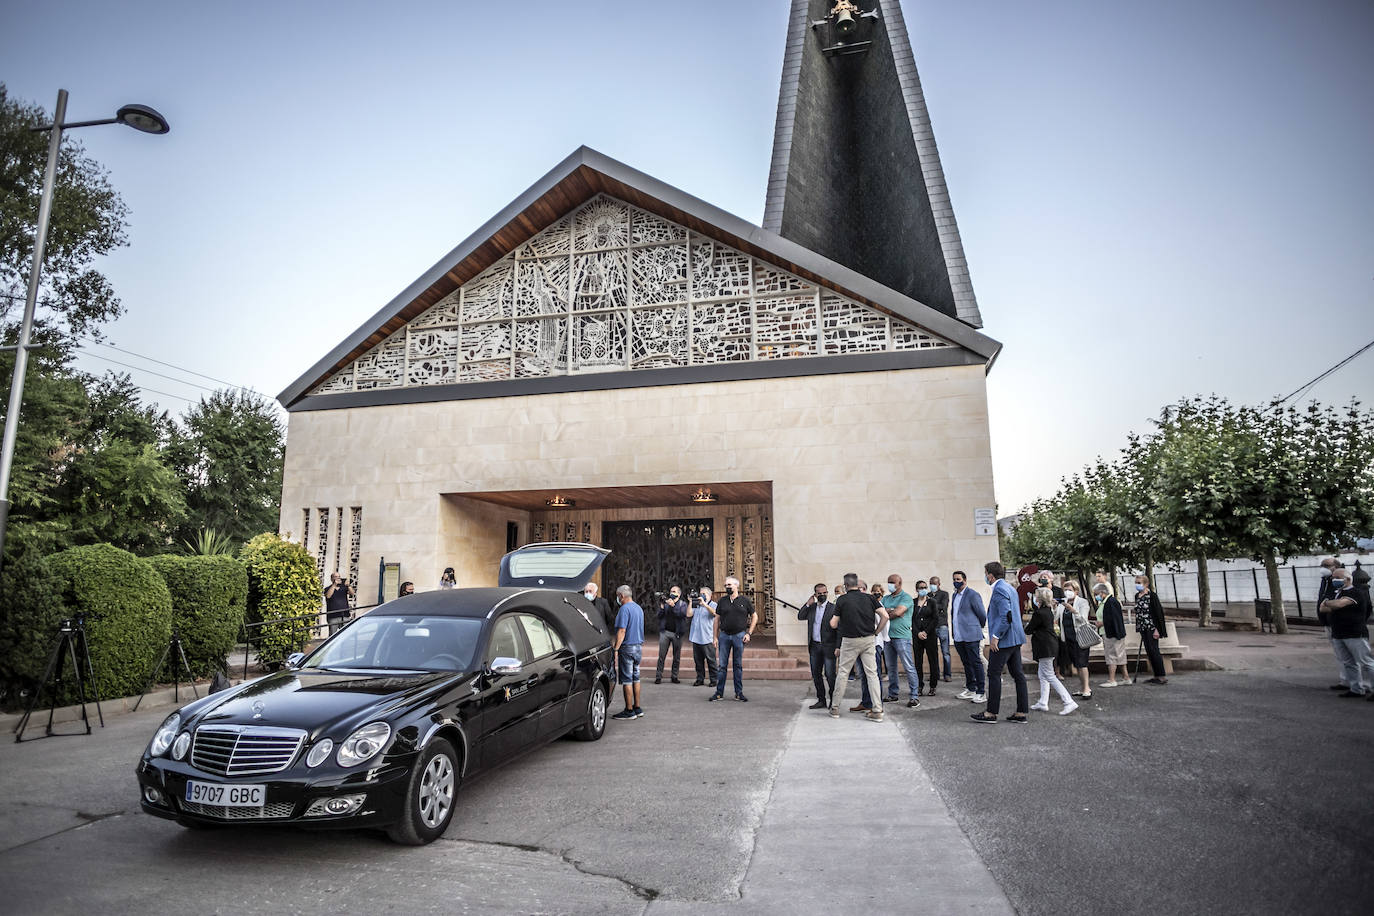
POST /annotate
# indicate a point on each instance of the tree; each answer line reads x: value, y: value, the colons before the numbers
x: 88, y: 221
x: 229, y: 455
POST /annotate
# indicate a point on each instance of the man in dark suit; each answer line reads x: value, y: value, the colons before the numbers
x: 816, y: 612
x: 601, y: 604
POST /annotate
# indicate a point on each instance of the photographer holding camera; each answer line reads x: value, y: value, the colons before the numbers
x: 337, y: 595
x: 702, y: 614
x: 672, y: 623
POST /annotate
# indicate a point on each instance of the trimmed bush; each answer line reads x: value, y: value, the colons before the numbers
x: 283, y: 582
x: 30, y: 612
x: 209, y: 594
x: 128, y: 613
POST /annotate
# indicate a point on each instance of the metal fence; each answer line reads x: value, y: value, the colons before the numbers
x: 304, y: 629
x: 1236, y: 588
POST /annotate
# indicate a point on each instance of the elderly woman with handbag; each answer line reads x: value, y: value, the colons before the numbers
x: 1113, y: 620
x: 1077, y: 636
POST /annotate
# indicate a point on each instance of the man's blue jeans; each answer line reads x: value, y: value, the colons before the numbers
x: 728, y: 644
x: 943, y: 634
x: 895, y: 648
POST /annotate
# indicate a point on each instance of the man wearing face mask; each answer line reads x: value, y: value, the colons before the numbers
x: 816, y: 613
x: 672, y: 623
x: 940, y: 598
x: 897, y: 647
x: 736, y: 615
x: 1006, y: 636
x: 968, y: 619
x: 702, y: 614
x: 601, y: 604
x: 1347, y: 608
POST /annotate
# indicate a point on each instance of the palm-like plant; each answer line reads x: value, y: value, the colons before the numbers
x: 209, y: 543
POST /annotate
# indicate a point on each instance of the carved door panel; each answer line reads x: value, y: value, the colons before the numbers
x: 653, y: 556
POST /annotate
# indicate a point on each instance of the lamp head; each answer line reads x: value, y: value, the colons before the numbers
x: 141, y: 117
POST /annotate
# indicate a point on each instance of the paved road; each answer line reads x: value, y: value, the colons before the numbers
x: 1233, y: 792
x: 1220, y: 793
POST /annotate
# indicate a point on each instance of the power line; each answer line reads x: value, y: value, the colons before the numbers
x: 1328, y: 372
x: 170, y: 378
x: 151, y: 359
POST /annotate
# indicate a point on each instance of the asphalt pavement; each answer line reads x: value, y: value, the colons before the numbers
x: 1222, y: 792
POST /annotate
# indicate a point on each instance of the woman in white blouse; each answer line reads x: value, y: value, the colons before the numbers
x: 1073, y: 614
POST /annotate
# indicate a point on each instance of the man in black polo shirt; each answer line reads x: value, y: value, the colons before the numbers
x: 336, y: 595
x: 1347, y: 608
x: 857, y: 617
x: 736, y: 616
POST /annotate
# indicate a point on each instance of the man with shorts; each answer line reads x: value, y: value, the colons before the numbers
x: 629, y: 649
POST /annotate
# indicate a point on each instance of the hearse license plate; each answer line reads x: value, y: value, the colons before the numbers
x: 209, y: 793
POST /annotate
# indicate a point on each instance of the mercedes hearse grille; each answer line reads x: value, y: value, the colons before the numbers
x: 245, y: 750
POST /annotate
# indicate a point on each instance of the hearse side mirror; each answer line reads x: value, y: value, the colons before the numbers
x: 293, y: 661
x: 504, y: 666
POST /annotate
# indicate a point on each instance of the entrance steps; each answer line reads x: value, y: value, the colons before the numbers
x: 764, y: 664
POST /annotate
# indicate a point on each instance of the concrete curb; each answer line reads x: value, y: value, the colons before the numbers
x: 155, y: 699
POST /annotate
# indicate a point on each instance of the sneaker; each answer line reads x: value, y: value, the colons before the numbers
x: 1041, y: 707
x: 1158, y: 680
x: 1349, y: 693
x: 1108, y: 684
x: 931, y: 691
x: 913, y: 703
x: 742, y: 698
x: 834, y: 713
x: 1068, y: 709
x: 965, y: 695
x: 639, y: 713
x: 819, y: 704
x: 891, y: 698
x: 873, y: 716
x: 624, y: 714
x: 979, y: 698
x: 713, y: 697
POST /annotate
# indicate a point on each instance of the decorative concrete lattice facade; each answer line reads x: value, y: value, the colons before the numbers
x: 611, y: 287
x: 322, y: 547
x: 338, y: 538
x: 355, y: 548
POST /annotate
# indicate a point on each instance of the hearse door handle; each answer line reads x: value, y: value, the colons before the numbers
x: 532, y: 679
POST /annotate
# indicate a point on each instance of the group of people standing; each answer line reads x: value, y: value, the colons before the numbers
x: 1343, y: 606
x: 863, y: 628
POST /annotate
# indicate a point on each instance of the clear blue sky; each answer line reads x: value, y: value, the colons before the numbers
x: 1157, y: 199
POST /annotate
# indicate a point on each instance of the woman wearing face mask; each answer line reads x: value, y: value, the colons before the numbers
x: 1113, y: 634
x: 926, y: 641
x: 448, y: 579
x: 1151, y: 625
x: 1073, y: 618
x: 1044, y: 646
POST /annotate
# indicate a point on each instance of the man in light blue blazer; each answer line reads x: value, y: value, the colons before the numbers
x: 1005, y: 638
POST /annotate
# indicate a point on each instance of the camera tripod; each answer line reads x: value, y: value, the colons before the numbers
x: 71, y: 646
x: 174, y: 643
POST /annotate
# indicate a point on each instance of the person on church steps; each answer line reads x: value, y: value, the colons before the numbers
x: 737, y: 619
x: 1151, y: 625
x: 855, y: 622
x: 672, y: 624
x: 702, y: 633
x: 897, y: 647
x: 968, y: 619
x: 1044, y: 647
x: 940, y: 598
x: 816, y: 613
x: 926, y: 642
x: 629, y: 650
x: 1005, y: 639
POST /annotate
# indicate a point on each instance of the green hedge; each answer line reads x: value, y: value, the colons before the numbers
x: 128, y: 613
x: 283, y: 581
x: 209, y: 594
x: 30, y: 613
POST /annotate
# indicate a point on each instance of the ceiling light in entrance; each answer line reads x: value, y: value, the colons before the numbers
x: 560, y: 502
x: 703, y: 495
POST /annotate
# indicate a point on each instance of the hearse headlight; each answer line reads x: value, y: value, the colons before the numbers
x: 165, y: 735
x: 363, y: 744
x: 319, y: 753
x: 181, y: 745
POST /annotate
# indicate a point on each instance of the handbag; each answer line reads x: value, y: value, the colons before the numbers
x: 1086, y: 635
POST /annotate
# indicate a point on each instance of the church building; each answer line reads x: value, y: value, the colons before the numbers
x: 611, y: 360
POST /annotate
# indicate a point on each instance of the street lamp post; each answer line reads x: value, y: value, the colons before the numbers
x: 139, y: 117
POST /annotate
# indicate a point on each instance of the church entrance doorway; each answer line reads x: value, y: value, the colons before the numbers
x: 651, y: 556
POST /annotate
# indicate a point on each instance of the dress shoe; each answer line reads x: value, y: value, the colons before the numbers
x: 819, y: 704
x: 859, y: 708
x: 676, y: 681
x: 698, y: 683
x: 658, y: 680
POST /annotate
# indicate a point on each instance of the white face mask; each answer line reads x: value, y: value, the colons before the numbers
x: 589, y: 595
x: 1069, y: 595
x: 891, y: 587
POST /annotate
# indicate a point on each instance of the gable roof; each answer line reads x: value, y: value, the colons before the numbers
x: 574, y: 181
